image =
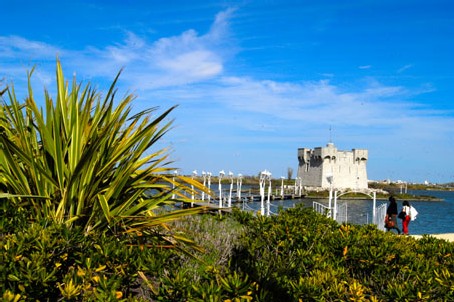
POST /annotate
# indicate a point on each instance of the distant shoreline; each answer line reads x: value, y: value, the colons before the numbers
x: 425, y: 198
x: 448, y: 236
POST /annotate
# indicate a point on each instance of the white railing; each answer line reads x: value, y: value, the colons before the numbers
x: 247, y: 207
x: 321, y: 208
x: 278, y: 206
x: 341, y: 211
x: 379, y: 218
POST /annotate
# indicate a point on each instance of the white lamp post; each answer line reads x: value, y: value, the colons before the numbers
x: 229, y: 204
x: 204, y: 176
x: 329, y: 178
x: 300, y: 187
x: 262, y: 191
x: 268, y: 202
x: 194, y: 174
x: 374, y: 194
x: 403, y: 186
x: 264, y: 176
x: 221, y: 175
x: 282, y: 187
x: 209, y: 185
x: 175, y: 173
x: 239, y: 182
x: 296, y: 184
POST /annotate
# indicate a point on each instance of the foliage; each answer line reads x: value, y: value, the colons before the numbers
x: 302, y: 256
x: 207, y: 277
x: 216, y: 235
x: 85, y: 162
x: 297, y: 255
x: 54, y: 262
x: 396, y: 187
x: 289, y: 173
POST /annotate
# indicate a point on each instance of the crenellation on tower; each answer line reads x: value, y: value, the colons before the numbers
x: 344, y: 169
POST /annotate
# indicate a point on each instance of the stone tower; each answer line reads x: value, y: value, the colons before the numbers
x: 345, y: 169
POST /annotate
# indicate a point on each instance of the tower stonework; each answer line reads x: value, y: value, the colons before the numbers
x: 345, y: 169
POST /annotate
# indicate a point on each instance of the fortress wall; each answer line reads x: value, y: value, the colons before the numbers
x: 348, y: 168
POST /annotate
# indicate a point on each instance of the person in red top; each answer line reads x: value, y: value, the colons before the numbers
x: 406, y: 220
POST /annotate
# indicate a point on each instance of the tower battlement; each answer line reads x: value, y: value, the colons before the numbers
x: 344, y: 169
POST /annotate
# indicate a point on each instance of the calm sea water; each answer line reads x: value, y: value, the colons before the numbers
x: 434, y: 217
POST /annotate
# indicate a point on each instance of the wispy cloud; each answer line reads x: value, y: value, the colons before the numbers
x: 10, y: 46
x: 229, y: 109
x: 312, y: 102
x: 189, y: 68
x: 18, y: 55
x: 170, y: 61
x: 405, y: 67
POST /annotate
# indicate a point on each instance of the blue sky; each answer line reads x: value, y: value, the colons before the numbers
x: 255, y: 80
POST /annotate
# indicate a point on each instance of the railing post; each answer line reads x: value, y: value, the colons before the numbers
x: 209, y: 185
x: 221, y: 174
x: 194, y: 174
x: 330, y: 199
x: 262, y: 192
x: 238, y: 186
x: 229, y: 203
x: 269, y: 196
x: 374, y: 214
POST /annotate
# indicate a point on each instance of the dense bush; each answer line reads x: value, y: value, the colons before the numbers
x: 54, y: 262
x: 296, y: 256
x: 303, y: 256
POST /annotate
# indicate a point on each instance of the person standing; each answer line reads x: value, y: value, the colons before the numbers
x: 391, y: 215
x: 410, y: 214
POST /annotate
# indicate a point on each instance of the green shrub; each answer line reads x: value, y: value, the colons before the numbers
x: 85, y: 193
x: 207, y: 276
x: 298, y: 255
x: 48, y: 263
x: 301, y: 255
x: 86, y: 162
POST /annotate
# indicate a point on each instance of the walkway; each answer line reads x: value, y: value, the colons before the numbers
x: 448, y: 236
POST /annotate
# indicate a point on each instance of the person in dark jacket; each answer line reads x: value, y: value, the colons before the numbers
x: 391, y: 215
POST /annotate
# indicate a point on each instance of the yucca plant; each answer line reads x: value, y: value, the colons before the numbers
x: 86, y: 160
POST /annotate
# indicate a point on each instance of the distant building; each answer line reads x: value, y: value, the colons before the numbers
x: 344, y: 169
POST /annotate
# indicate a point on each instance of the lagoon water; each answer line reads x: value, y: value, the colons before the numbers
x: 434, y: 217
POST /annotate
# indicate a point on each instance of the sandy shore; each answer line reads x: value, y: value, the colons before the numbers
x: 449, y: 236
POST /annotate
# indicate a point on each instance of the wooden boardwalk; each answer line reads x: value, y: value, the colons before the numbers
x: 213, y: 205
x: 253, y: 197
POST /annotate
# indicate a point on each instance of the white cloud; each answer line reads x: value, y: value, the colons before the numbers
x: 188, y: 68
x: 169, y: 61
x: 405, y: 67
x: 318, y: 102
x: 15, y: 47
x: 19, y: 55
